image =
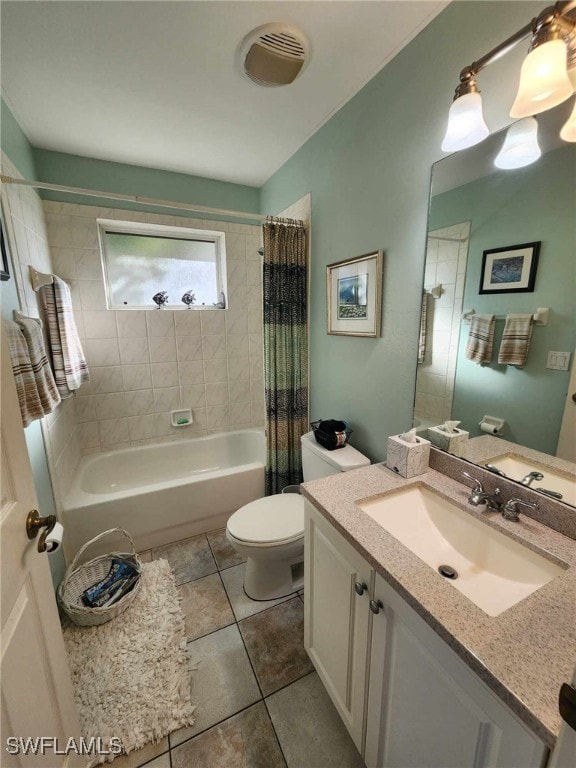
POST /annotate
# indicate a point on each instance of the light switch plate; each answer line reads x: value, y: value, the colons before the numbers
x: 558, y: 361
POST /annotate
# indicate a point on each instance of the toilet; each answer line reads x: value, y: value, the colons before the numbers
x: 269, y: 532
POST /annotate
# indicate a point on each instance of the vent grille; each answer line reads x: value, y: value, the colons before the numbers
x: 274, y: 55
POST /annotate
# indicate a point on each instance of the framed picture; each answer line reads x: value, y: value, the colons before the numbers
x: 4, y: 270
x: 354, y: 296
x: 510, y: 270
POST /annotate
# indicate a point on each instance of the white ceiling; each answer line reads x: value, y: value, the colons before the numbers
x: 157, y: 84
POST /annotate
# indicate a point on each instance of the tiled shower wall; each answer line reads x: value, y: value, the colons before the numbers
x: 446, y: 256
x: 28, y: 241
x: 143, y: 364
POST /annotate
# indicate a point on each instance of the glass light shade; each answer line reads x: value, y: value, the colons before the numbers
x: 544, y: 81
x: 568, y: 132
x: 520, y: 146
x: 466, y: 125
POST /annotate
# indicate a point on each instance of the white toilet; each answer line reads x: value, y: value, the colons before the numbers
x: 269, y: 532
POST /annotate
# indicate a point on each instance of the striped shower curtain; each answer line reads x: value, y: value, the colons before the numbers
x: 285, y: 350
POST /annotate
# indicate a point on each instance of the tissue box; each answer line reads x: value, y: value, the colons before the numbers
x: 408, y: 459
x: 454, y: 443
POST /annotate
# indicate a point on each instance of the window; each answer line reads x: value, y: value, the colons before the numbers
x: 141, y: 261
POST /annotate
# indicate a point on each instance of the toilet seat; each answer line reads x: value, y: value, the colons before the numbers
x: 270, y: 521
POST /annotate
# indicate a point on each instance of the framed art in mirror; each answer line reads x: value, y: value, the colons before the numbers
x: 4, y: 269
x: 510, y: 270
x: 354, y: 296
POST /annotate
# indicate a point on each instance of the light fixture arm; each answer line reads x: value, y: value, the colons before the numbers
x: 557, y: 15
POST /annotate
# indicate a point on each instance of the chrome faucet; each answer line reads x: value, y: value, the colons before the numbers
x: 530, y: 477
x: 510, y: 509
x: 479, y: 496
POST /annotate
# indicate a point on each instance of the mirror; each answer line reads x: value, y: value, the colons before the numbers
x: 476, y: 207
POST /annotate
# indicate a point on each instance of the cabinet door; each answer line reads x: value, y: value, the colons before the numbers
x: 435, y: 712
x: 336, y: 619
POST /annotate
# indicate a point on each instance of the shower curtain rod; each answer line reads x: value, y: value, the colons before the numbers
x: 133, y: 199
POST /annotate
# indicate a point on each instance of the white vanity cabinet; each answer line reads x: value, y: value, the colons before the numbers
x: 406, y: 698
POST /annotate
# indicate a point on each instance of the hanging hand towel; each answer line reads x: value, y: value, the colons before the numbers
x: 31, y: 406
x: 480, y: 338
x: 68, y: 361
x: 31, y: 327
x: 515, y: 340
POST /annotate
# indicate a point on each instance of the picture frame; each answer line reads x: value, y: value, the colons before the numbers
x: 4, y: 266
x: 354, y: 296
x: 511, y: 269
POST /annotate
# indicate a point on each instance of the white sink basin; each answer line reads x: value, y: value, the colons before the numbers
x: 516, y: 467
x: 494, y: 571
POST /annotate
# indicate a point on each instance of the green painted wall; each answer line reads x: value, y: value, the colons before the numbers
x: 368, y: 169
x: 15, y: 144
x: 89, y: 173
x: 508, y: 208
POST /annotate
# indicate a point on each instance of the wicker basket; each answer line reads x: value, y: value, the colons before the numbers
x: 79, y: 578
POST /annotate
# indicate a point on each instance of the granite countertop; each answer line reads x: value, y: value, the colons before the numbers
x: 525, y: 653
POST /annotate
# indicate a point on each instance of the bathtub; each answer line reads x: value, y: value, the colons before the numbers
x: 164, y: 492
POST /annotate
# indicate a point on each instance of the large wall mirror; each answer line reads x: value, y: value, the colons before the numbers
x: 476, y: 207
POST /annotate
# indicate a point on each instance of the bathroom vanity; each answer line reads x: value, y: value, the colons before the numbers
x: 419, y: 673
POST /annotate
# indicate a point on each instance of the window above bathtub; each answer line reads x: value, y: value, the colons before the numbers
x: 149, y: 265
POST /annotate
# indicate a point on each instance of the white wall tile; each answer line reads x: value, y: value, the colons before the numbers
x: 137, y: 377
x: 99, y: 324
x: 164, y: 375
x: 217, y: 416
x: 236, y: 321
x: 110, y: 406
x: 192, y: 397
x: 217, y: 393
x: 238, y: 368
x: 190, y: 373
x: 189, y: 348
x: 85, y: 408
x: 131, y: 324
x: 166, y: 399
x: 139, y: 402
x: 113, y: 432
x: 88, y: 264
x: 213, y: 322
x: 160, y: 322
x: 253, y: 273
x: 213, y: 346
x: 134, y: 351
x: 142, y: 427
x: 238, y: 345
x: 162, y: 349
x: 92, y: 294
x: 89, y: 435
x: 187, y: 323
x: 215, y: 370
x: 239, y: 391
x: 101, y: 352
x: 104, y: 380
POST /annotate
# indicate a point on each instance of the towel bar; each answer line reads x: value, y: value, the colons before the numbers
x: 39, y: 279
x: 540, y: 317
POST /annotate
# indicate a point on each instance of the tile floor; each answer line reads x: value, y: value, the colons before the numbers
x: 260, y: 704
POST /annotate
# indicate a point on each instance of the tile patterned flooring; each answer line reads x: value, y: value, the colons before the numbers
x: 260, y: 704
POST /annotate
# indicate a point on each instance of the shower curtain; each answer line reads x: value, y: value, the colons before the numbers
x: 285, y: 350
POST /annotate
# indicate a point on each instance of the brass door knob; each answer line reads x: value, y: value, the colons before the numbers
x: 34, y: 523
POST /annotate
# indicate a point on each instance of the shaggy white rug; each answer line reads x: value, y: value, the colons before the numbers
x: 131, y: 677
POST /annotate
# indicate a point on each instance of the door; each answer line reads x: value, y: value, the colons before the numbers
x: 37, y: 698
x: 566, y: 448
x: 336, y: 619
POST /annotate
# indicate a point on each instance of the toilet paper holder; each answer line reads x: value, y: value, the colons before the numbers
x: 33, y: 525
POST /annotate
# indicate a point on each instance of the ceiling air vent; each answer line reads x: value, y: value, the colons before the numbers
x: 274, y: 54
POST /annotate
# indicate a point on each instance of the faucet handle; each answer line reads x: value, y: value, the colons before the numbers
x: 510, y: 509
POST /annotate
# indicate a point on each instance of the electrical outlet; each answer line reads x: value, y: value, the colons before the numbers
x: 558, y: 361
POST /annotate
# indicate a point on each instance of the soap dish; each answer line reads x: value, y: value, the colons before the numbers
x: 181, y: 418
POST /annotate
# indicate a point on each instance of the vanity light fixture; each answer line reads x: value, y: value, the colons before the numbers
x: 568, y: 132
x: 544, y: 81
x: 520, y: 146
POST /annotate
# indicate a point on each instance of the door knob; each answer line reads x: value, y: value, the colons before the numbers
x: 360, y: 587
x: 376, y: 605
x: 33, y: 525
x: 574, y: 397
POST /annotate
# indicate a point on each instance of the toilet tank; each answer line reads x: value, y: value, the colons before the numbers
x: 318, y: 462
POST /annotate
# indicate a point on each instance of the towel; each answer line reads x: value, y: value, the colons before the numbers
x: 423, y: 320
x: 48, y: 393
x: 37, y: 393
x: 516, y: 339
x: 480, y: 338
x: 68, y: 361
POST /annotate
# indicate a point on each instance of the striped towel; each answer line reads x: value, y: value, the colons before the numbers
x: 68, y: 361
x: 480, y: 338
x: 37, y: 393
x: 423, y: 322
x: 516, y: 339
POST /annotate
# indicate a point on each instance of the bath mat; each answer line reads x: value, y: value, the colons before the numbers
x: 131, y: 677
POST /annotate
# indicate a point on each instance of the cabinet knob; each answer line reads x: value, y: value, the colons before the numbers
x: 376, y: 605
x: 360, y: 587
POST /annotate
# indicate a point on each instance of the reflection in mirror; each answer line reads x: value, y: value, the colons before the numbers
x: 476, y: 207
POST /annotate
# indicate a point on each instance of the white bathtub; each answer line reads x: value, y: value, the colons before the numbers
x: 165, y: 492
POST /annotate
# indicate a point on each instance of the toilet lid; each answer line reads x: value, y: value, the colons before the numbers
x: 270, y: 520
